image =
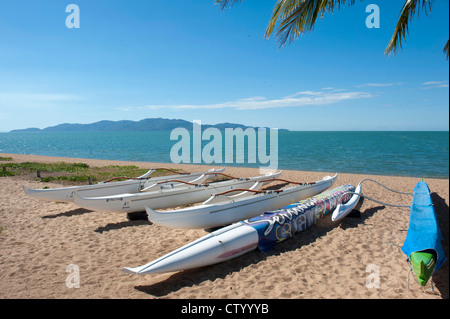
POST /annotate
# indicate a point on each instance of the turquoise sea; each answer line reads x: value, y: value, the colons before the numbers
x: 417, y: 154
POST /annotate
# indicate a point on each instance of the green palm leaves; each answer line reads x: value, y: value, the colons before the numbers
x: 291, y: 18
x: 406, y: 15
x: 295, y: 17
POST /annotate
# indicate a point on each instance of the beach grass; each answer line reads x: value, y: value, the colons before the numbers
x: 75, y: 173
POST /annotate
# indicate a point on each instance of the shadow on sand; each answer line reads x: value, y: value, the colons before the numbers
x: 135, y: 219
x: 70, y: 213
x: 116, y: 226
x: 440, y: 278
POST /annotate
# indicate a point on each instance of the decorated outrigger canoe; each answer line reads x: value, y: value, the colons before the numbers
x: 221, y: 209
x: 112, y: 187
x: 262, y: 232
x: 169, y: 196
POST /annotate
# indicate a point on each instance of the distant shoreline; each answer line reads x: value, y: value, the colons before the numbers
x: 145, y: 125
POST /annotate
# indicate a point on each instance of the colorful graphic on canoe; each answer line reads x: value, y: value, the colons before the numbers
x: 278, y: 225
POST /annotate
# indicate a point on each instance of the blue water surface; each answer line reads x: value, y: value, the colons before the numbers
x: 417, y: 154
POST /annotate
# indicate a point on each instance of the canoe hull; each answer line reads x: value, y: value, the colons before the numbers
x: 230, y: 242
x: 423, y: 264
x: 165, y: 198
x: 214, y: 215
x: 422, y: 245
x: 67, y: 194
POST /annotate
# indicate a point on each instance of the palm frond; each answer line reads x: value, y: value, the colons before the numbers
x: 446, y: 49
x: 225, y: 3
x: 295, y: 17
x: 291, y: 18
x: 401, y: 29
x: 282, y: 9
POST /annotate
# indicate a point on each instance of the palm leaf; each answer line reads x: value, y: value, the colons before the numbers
x: 406, y: 15
x: 225, y: 3
x: 282, y: 9
x: 295, y: 17
x: 446, y: 49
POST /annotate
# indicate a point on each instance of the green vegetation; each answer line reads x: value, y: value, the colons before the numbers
x: 74, y: 173
x: 4, y: 173
x: 74, y: 178
x: 5, y: 158
x: 44, y: 167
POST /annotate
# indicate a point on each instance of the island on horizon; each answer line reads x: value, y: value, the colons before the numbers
x: 149, y: 124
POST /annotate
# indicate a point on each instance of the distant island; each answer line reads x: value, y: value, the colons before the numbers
x: 152, y: 124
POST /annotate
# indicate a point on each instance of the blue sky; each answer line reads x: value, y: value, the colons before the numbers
x: 188, y: 59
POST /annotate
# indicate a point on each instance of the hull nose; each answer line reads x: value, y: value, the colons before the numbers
x: 423, y: 264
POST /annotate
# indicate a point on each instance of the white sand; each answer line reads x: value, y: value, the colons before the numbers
x: 38, y: 240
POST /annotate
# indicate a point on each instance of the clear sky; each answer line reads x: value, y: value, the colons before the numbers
x: 187, y: 59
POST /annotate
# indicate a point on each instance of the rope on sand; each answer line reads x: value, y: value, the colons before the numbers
x: 372, y: 180
x: 377, y: 201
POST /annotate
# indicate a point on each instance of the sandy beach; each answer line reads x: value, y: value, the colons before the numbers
x: 39, y: 240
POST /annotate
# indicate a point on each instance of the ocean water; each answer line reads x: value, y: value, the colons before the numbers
x: 416, y: 154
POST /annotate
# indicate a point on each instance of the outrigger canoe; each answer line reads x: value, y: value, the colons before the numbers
x: 423, y: 246
x: 262, y: 232
x: 168, y: 196
x: 132, y: 185
x: 222, y: 210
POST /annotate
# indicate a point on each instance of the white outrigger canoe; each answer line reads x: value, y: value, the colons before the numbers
x: 134, y: 185
x: 169, y: 196
x: 222, y: 210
